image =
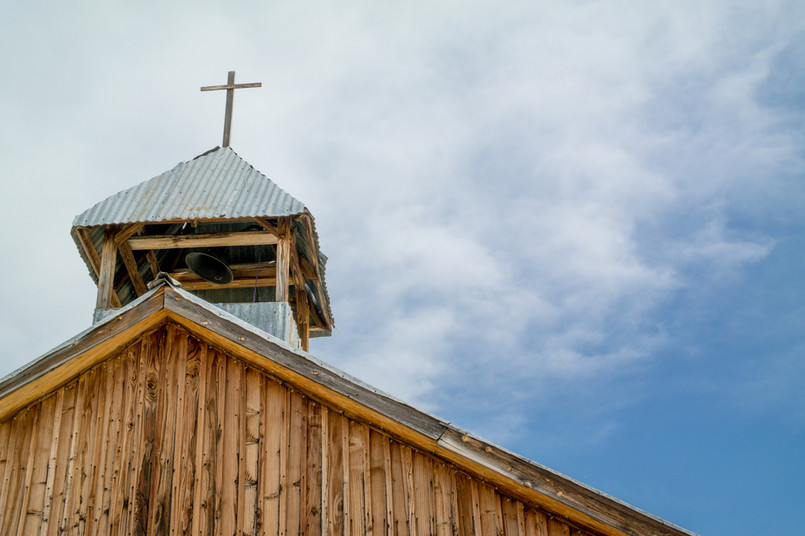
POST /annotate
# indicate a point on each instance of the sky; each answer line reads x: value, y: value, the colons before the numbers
x: 574, y: 228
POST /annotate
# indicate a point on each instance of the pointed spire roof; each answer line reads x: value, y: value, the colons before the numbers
x: 216, y: 184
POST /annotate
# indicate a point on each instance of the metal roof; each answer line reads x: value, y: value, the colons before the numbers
x: 216, y: 184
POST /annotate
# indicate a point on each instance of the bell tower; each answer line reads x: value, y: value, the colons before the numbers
x: 221, y: 229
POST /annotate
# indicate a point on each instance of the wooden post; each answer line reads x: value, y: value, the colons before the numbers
x: 106, y: 275
x: 303, y: 317
x: 283, y: 259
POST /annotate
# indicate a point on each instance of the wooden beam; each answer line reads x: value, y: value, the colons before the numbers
x: 131, y: 267
x: 153, y: 262
x: 311, y: 241
x: 127, y: 232
x: 94, y: 258
x: 245, y: 276
x: 283, y: 259
x: 268, y: 226
x: 106, y: 274
x: 244, y: 238
x: 303, y: 317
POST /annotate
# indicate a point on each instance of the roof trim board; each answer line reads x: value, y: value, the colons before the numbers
x: 519, y: 477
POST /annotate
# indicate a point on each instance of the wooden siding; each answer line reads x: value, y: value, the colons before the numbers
x: 174, y: 437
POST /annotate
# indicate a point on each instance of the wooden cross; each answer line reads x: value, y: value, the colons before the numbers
x: 230, y: 88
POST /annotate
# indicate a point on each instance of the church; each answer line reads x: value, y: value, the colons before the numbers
x: 191, y: 405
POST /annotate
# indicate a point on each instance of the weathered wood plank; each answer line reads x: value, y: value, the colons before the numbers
x: 251, y: 505
x: 443, y: 499
x: 16, y: 484
x: 231, y: 453
x: 313, y: 491
x: 296, y: 443
x: 357, y: 472
x: 283, y: 259
x: 284, y: 429
x: 213, y: 429
x: 335, y: 474
x: 423, y: 495
x: 70, y: 484
x: 149, y: 443
x: 400, y: 491
x: 274, y: 402
x: 557, y: 528
x: 121, y: 472
x: 325, y: 470
x: 198, y: 502
x: 242, y: 238
x: 379, y: 484
x: 511, y: 522
x: 106, y: 275
x: 127, y: 256
x: 170, y: 357
x: 33, y: 490
x: 488, y: 506
x: 105, y: 485
x: 99, y: 446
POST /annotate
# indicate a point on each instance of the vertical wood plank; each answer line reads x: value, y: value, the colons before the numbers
x: 443, y: 491
x: 389, y: 485
x: 356, y: 471
x: 296, y: 434
x: 407, y: 459
x: 325, y: 471
x: 313, y: 481
x: 52, y: 461
x: 464, y: 500
x: 185, y: 364
x: 476, y: 507
x: 122, y: 464
x: 557, y: 528
x: 72, y: 460
x: 335, y: 475
x: 272, y: 454
x: 151, y: 413
x: 488, y: 506
x: 211, y: 458
x: 169, y: 357
x: 106, y: 399
x: 241, y: 433
x: 231, y: 454
x: 511, y: 522
x: 62, y: 459
x: 254, y: 387
x: 423, y: 494
x: 197, y: 502
x: 16, y: 484
x: 284, y: 428
x: 15, y: 437
x: 6, y: 446
x: 399, y: 491
x: 38, y: 505
x: 104, y: 484
x: 377, y: 477
x: 36, y: 452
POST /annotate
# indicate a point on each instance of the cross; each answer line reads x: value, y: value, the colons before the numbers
x: 230, y: 88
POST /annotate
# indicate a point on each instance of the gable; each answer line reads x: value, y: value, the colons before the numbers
x: 217, y: 333
x: 172, y: 435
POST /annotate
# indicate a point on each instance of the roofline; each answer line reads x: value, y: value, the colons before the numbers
x: 519, y: 477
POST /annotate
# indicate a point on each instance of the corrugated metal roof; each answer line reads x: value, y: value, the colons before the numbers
x: 216, y: 184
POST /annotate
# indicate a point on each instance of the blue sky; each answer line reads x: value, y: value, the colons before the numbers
x: 573, y: 228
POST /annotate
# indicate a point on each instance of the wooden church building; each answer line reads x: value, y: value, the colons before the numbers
x: 192, y: 407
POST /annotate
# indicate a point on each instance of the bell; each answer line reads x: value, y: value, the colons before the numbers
x: 209, y: 268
